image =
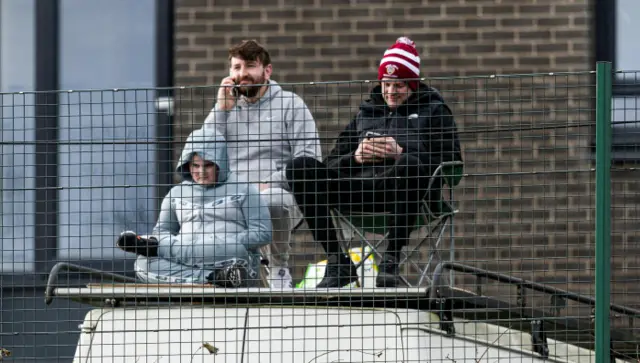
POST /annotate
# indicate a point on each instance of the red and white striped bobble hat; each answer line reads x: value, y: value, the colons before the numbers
x: 401, y: 61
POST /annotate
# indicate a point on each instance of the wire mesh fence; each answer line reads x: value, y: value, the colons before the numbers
x: 270, y: 231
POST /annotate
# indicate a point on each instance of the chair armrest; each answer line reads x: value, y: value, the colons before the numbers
x: 451, y: 172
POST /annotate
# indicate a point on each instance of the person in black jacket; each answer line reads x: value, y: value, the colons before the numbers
x: 382, y: 162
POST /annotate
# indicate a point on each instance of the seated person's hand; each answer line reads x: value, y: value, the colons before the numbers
x: 393, y: 150
x: 226, y: 99
x: 376, y: 149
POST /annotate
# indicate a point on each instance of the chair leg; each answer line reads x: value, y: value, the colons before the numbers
x: 452, y: 245
x: 435, y: 233
x: 373, y: 250
x: 343, y: 223
x: 434, y: 250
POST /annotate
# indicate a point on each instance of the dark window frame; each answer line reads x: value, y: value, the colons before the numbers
x: 46, y: 133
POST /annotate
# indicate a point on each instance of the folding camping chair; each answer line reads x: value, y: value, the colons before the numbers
x: 434, y: 221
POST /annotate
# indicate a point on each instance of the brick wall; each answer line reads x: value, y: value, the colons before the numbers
x: 527, y: 203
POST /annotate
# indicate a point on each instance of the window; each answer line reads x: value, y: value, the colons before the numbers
x: 106, y: 44
x: 70, y: 200
x: 615, y: 34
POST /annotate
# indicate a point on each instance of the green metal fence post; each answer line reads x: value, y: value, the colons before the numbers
x: 603, y: 209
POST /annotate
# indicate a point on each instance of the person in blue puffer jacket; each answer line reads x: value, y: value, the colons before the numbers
x: 210, y: 226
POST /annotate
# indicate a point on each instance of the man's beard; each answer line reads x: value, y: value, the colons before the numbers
x: 251, y: 90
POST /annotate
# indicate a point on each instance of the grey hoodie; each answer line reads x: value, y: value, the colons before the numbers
x: 263, y: 136
x: 195, y: 221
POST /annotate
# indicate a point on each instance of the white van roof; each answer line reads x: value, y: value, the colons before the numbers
x: 299, y: 334
x: 446, y: 316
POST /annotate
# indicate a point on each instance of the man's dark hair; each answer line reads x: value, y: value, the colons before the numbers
x: 250, y: 50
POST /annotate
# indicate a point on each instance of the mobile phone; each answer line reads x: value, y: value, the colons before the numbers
x: 371, y: 135
x: 234, y: 89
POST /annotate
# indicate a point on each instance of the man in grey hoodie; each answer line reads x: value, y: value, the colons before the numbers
x: 265, y: 127
x: 210, y: 226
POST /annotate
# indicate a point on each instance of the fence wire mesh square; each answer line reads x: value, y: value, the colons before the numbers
x: 316, y: 223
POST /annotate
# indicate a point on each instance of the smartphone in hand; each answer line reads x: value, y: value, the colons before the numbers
x: 235, y: 90
x: 372, y: 135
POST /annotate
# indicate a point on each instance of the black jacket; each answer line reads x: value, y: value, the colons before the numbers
x: 422, y: 126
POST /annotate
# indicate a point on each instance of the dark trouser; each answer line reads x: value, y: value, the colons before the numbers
x: 400, y: 191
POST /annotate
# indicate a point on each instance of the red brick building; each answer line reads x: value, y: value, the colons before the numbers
x: 527, y: 203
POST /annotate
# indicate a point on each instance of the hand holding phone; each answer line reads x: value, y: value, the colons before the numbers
x: 370, y: 150
x: 226, y: 99
x: 376, y: 147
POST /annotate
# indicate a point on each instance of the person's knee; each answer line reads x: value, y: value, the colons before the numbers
x: 299, y: 166
x: 277, y: 199
x: 237, y: 250
x: 410, y: 165
x: 218, y: 252
x: 408, y: 159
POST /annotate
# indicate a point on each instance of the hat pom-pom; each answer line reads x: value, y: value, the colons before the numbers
x: 405, y: 40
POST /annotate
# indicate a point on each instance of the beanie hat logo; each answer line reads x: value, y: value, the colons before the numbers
x: 401, y: 61
x: 390, y: 68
